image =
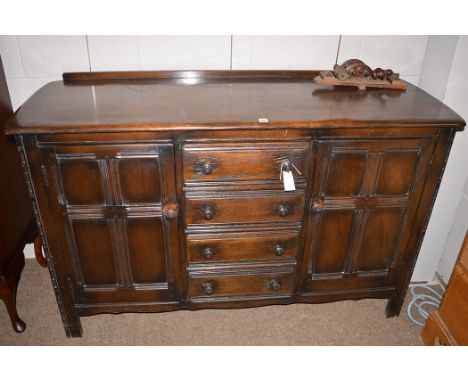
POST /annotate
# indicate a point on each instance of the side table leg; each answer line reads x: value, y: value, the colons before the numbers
x: 8, y: 287
x: 9, y: 298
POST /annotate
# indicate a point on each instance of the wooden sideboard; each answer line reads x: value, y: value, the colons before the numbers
x: 159, y: 191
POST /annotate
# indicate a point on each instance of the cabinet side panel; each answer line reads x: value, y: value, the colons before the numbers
x: 51, y: 243
x: 431, y: 187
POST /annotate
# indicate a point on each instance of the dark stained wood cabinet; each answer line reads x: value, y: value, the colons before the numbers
x: 159, y: 191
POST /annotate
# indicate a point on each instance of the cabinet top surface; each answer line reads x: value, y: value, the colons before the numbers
x: 144, y: 101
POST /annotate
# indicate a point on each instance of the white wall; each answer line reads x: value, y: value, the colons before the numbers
x: 437, y: 64
x: 284, y: 52
x: 455, y: 237
x: 32, y: 61
x: 444, y: 76
x: 403, y: 54
x: 451, y: 222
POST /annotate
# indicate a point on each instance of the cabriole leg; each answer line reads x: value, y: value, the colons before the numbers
x: 9, y: 298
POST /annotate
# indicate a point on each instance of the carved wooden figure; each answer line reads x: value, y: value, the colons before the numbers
x: 159, y: 191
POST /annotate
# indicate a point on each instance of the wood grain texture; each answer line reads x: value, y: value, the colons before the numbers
x: 145, y: 106
x: 448, y: 325
x: 117, y: 237
x: 239, y: 162
x: 244, y: 207
x: 279, y: 282
x: 250, y: 246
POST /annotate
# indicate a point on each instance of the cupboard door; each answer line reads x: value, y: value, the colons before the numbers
x: 120, y: 245
x: 364, y: 198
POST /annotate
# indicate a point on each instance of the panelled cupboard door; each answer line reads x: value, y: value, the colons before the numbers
x: 112, y: 199
x: 365, y: 196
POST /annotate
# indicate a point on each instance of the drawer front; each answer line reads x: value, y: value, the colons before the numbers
x: 249, y: 247
x: 206, y: 286
x: 246, y: 207
x: 241, y: 162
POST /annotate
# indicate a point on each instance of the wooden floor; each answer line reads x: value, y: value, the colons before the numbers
x: 341, y: 323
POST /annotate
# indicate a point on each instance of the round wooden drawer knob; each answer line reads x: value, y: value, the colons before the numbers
x: 317, y: 206
x: 282, y: 210
x: 279, y: 250
x: 170, y: 211
x: 207, y: 253
x: 208, y: 287
x: 207, y: 168
x: 286, y: 166
x: 275, y: 285
x: 208, y: 213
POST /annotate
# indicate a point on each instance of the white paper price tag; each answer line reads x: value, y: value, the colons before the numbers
x: 288, y: 181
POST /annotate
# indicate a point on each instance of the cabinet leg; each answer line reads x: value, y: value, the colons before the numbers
x: 394, y: 306
x: 38, y: 251
x: 73, y: 329
x: 75, y: 332
x: 70, y: 318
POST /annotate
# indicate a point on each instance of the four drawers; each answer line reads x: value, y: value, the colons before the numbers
x: 227, y: 255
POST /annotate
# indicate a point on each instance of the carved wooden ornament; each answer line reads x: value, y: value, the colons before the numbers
x: 356, y: 73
